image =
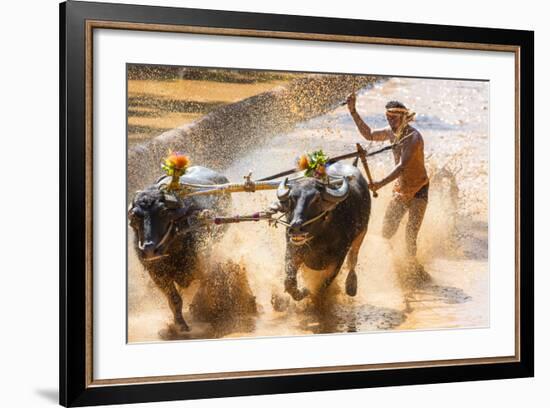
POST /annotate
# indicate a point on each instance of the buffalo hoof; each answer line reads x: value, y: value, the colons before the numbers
x: 351, y: 284
x: 298, y: 295
x: 280, y: 303
x: 418, y: 277
x: 174, y: 332
x: 291, y: 287
x: 423, y: 276
x: 302, y: 294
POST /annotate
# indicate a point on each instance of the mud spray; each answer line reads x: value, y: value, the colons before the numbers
x: 243, y: 292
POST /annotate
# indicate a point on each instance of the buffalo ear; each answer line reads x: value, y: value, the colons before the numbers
x: 132, y: 216
x: 131, y: 208
x: 133, y: 204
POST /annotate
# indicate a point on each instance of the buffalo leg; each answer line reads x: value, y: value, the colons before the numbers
x: 176, y: 304
x: 291, y: 281
x: 351, y: 279
x: 333, y: 271
x: 167, y: 286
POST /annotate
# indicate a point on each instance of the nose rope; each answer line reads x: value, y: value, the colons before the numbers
x: 141, y: 245
x: 312, y: 220
x: 166, y: 234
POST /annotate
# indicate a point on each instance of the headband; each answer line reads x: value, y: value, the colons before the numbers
x: 397, y: 110
x: 407, y: 115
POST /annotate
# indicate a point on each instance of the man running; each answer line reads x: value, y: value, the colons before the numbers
x: 410, y: 192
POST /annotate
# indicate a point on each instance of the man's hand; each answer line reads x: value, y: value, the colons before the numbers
x: 351, y: 102
x: 375, y: 185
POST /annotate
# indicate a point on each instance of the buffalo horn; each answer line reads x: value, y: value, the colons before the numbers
x: 335, y: 195
x: 283, y: 191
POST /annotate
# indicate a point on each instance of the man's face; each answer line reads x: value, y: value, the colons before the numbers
x: 394, y: 120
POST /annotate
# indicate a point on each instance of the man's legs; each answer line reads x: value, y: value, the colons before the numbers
x: 417, y: 209
x: 394, y: 213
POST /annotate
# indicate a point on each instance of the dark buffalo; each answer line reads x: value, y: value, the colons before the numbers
x: 327, y: 222
x: 167, y: 242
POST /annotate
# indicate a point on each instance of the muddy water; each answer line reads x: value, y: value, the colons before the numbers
x: 452, y: 116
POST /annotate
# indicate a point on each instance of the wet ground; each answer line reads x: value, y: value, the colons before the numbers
x: 155, y: 106
x: 453, y: 246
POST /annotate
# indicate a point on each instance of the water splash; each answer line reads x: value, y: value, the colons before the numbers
x: 230, y: 131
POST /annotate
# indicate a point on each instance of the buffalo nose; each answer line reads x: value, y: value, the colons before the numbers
x: 296, y: 224
x: 149, y: 247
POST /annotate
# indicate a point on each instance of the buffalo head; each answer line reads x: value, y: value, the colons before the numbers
x: 156, y: 217
x: 307, y: 203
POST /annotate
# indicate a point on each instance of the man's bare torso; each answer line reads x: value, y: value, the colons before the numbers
x: 414, y: 175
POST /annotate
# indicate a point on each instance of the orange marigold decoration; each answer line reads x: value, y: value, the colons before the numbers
x: 175, y: 166
x: 302, y: 162
x: 314, y: 164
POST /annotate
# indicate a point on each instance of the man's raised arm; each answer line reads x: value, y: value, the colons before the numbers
x: 378, y: 135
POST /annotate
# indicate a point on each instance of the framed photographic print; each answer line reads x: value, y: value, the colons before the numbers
x: 256, y: 203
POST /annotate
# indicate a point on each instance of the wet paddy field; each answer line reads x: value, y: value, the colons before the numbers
x: 242, y: 292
